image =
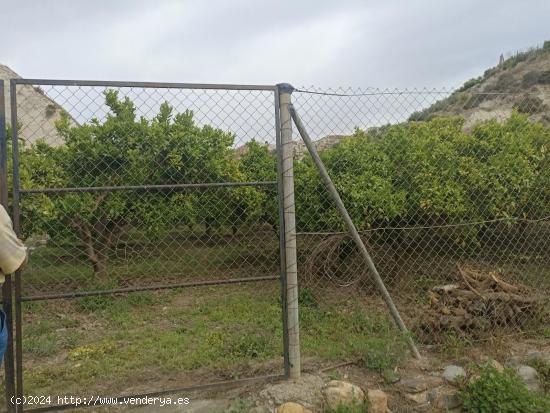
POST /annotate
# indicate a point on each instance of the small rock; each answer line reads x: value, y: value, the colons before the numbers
x: 291, y: 407
x: 513, y: 361
x: 453, y: 374
x: 378, y: 401
x: 533, y: 355
x: 420, y: 383
x: 419, y: 398
x: 341, y: 392
x: 444, y: 398
x: 306, y: 391
x: 529, y: 376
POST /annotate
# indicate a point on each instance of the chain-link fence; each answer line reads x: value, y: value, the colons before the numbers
x: 151, y: 213
x: 450, y: 192
x: 136, y: 200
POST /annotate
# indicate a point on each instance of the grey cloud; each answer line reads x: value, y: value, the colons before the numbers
x: 328, y: 43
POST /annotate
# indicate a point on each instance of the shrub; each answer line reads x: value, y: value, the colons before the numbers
x: 306, y: 298
x: 536, y: 78
x: 424, y: 172
x: 475, y: 100
x: 543, y: 369
x: 470, y: 83
x: 530, y: 105
x: 505, y: 82
x: 544, y: 78
x: 355, y: 407
x: 490, y: 72
x: 500, y: 392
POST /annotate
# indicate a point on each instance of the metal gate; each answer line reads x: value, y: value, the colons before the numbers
x: 135, y: 199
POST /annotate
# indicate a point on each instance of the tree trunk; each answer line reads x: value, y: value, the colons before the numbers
x: 100, y: 267
x: 98, y: 241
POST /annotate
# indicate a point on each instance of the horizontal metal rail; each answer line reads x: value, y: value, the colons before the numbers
x: 77, y: 294
x: 190, y: 389
x: 144, y: 187
x: 160, y: 85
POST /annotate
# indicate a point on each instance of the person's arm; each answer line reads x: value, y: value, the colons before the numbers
x: 13, y: 254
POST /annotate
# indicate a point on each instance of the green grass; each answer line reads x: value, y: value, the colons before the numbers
x: 109, y: 344
x: 542, y: 367
x: 503, y: 392
x: 103, y: 343
x: 146, y: 332
x: 67, y: 267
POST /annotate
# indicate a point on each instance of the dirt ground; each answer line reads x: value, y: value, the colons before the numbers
x: 267, y: 395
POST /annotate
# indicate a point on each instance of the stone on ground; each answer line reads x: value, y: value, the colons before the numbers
x: 306, y: 391
x: 339, y: 392
x: 291, y: 407
x: 513, y: 361
x: 378, y: 401
x: 420, y: 398
x: 529, y: 376
x: 444, y: 398
x: 453, y: 374
x: 420, y: 383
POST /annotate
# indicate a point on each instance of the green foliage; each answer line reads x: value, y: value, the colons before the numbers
x: 455, y: 346
x: 240, y: 406
x: 502, y: 392
x: 439, y: 106
x: 257, y: 164
x: 419, y: 173
x: 354, y: 407
x: 542, y: 366
x: 470, y: 83
x: 383, y: 356
x: 306, y: 298
x: 431, y: 172
x: 536, y: 77
x: 127, y: 150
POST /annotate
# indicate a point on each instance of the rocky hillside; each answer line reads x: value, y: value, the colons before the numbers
x: 521, y: 82
x: 36, y: 112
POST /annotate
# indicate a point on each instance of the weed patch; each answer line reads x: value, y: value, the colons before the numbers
x: 502, y: 392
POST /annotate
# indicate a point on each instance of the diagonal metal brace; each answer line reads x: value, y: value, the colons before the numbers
x: 352, y: 230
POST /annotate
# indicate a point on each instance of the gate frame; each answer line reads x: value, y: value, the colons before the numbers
x: 7, y: 292
x: 14, y: 387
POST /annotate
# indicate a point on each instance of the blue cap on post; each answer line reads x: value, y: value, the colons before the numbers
x: 285, y: 88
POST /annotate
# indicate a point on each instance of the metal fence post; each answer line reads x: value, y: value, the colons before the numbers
x: 17, y: 229
x: 291, y: 265
x: 9, y: 366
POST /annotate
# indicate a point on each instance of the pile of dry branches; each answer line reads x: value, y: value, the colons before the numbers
x: 478, y: 304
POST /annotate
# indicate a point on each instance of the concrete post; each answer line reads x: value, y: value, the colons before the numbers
x: 289, y: 215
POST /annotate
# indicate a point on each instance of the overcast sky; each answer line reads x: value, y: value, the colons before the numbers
x: 380, y: 43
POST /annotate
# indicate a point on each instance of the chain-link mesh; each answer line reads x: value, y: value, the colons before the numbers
x: 450, y: 192
x: 133, y: 188
x: 105, y: 165
x: 129, y: 187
